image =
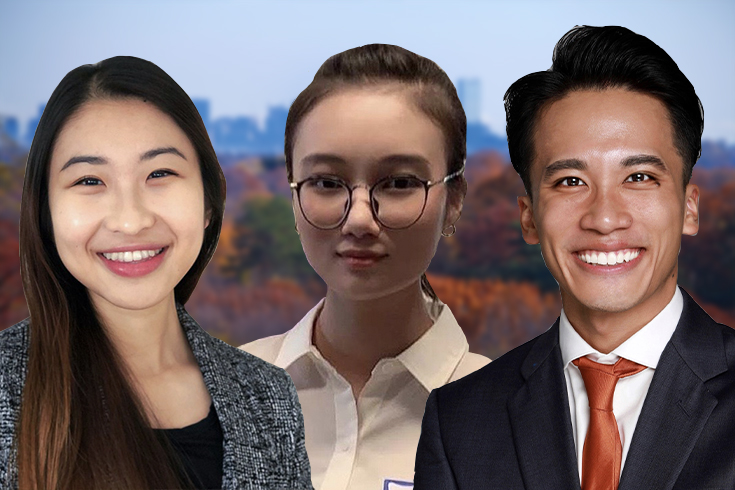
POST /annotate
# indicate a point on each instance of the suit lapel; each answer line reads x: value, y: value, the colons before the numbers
x: 540, y: 419
x: 677, y: 405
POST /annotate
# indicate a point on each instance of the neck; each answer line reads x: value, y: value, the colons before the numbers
x: 150, y: 340
x: 353, y: 335
x: 604, y: 331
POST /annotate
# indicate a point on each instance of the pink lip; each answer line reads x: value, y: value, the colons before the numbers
x: 134, y: 269
x: 360, y: 259
x: 610, y: 269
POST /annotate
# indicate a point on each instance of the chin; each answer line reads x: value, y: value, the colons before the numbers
x: 136, y: 302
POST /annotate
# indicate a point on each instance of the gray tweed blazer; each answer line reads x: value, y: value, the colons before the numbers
x: 256, y: 403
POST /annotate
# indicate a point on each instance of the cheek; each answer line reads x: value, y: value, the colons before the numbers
x: 73, y: 222
x: 318, y: 245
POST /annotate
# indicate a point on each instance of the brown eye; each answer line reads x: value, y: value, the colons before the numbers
x: 638, y: 177
x: 88, y: 181
x: 158, y: 174
x: 571, y: 182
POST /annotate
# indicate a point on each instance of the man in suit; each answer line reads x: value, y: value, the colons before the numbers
x: 605, y: 141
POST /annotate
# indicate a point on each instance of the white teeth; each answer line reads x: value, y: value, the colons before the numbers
x: 131, y: 256
x: 608, y: 258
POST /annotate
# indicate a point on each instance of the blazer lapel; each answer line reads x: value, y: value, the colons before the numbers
x: 677, y: 405
x: 239, y: 428
x: 540, y: 419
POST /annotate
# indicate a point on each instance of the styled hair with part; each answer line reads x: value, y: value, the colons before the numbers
x: 82, y: 425
x: 600, y: 58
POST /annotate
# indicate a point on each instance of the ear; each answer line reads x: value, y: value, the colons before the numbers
x: 455, y: 200
x: 207, y: 218
x: 691, y: 210
x: 528, y: 223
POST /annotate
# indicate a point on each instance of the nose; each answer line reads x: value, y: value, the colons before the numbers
x: 129, y: 213
x: 360, y: 220
x: 606, y: 212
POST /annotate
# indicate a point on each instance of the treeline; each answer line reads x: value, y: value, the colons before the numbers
x: 259, y: 282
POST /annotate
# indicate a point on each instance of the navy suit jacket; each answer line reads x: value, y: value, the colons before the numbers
x: 508, y: 425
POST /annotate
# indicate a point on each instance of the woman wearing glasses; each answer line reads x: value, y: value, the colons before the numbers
x: 375, y: 150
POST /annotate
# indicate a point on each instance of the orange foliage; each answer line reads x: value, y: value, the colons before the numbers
x: 496, y: 315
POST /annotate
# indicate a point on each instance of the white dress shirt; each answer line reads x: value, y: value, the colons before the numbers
x: 369, y: 443
x: 644, y: 347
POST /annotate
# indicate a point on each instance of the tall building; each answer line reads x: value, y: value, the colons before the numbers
x: 9, y: 127
x: 32, y: 125
x: 469, y: 90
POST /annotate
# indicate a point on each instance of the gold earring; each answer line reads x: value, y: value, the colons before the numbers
x: 454, y: 230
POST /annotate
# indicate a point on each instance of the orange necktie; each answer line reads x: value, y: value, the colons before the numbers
x: 602, y: 453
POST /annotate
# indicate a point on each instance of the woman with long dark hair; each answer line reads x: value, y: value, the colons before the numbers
x: 110, y: 383
x: 375, y: 150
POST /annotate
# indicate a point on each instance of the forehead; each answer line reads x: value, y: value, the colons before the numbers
x: 366, y: 124
x: 117, y: 128
x: 604, y: 126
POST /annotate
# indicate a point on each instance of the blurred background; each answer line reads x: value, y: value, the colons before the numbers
x: 244, y: 62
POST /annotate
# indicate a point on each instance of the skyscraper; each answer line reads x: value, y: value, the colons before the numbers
x: 468, y: 90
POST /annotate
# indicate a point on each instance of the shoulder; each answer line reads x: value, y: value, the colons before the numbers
x: 251, y: 370
x: 267, y: 348
x: 488, y: 385
x: 14, y: 347
x: 469, y: 363
x: 233, y: 368
x: 15, y: 337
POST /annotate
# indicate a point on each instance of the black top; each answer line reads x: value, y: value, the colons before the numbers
x: 200, y: 448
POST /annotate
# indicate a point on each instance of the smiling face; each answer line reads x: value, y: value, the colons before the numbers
x: 609, y: 204
x: 360, y: 136
x: 126, y: 201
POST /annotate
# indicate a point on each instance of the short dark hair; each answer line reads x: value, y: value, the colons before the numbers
x: 598, y: 58
x: 377, y: 64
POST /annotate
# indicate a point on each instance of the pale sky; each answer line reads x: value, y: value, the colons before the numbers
x: 248, y: 55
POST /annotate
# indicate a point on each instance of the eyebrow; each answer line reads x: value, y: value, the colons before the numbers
x: 151, y: 154
x: 397, y: 159
x: 559, y: 165
x: 644, y: 159
x: 314, y: 158
x: 97, y: 160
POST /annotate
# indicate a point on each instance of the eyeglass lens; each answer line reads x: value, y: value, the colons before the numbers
x: 397, y: 202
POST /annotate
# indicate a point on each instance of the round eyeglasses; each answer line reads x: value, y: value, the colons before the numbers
x: 397, y: 201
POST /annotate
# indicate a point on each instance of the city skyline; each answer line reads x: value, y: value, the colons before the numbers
x: 248, y: 56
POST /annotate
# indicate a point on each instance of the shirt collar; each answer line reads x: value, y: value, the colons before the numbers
x: 644, y: 347
x: 432, y: 359
x: 297, y: 342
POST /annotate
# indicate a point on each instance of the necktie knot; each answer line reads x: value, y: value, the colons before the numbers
x: 600, y: 379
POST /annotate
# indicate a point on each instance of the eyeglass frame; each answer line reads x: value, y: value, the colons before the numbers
x: 428, y: 184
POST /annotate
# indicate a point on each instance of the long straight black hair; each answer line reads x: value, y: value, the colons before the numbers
x: 81, y: 423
